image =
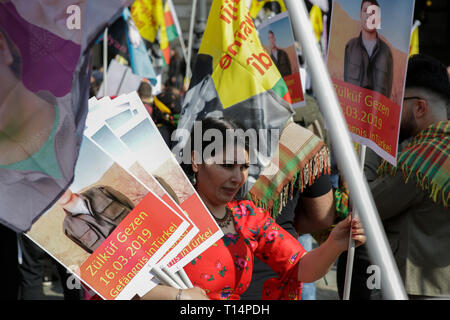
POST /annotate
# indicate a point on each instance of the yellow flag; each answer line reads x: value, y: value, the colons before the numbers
x: 257, y: 5
x: 146, y: 17
x: 414, y: 45
x: 241, y: 68
x: 315, y: 15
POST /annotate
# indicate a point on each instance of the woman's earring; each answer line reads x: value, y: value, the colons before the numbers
x: 194, y: 179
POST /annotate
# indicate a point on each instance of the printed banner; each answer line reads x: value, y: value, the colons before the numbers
x: 367, y: 61
x: 278, y: 40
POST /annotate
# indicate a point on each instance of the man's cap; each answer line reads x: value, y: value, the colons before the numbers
x: 427, y: 72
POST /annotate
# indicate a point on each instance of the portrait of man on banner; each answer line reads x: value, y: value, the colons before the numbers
x: 367, y: 60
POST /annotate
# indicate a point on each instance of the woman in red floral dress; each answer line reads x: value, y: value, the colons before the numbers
x: 224, y: 270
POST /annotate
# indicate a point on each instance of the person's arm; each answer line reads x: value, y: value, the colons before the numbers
x: 317, y: 263
x: 315, y: 210
x: 162, y: 292
x: 315, y: 214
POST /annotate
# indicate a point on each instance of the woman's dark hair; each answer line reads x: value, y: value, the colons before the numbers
x: 224, y: 125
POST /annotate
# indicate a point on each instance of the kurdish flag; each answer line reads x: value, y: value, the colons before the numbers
x: 234, y: 77
x: 173, y: 29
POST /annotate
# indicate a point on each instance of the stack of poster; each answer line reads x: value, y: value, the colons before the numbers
x: 130, y: 218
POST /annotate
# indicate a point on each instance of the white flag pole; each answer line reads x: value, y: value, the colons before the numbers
x: 191, y: 37
x: 351, y: 243
x: 105, y: 60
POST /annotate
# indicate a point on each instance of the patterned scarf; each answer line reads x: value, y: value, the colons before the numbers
x: 300, y: 158
x: 427, y: 157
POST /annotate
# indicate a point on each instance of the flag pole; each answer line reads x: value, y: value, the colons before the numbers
x: 191, y: 36
x: 351, y: 243
x: 105, y: 60
x: 377, y: 243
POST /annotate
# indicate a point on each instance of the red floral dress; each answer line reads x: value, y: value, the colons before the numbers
x: 224, y: 271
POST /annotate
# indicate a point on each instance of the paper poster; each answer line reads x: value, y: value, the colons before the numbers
x: 142, y: 138
x: 104, y: 138
x: 120, y: 79
x: 278, y: 40
x: 109, y: 229
x: 367, y: 62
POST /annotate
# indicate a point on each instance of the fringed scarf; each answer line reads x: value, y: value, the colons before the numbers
x: 426, y: 158
x: 300, y: 158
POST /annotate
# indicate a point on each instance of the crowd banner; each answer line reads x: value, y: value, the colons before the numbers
x: 231, y: 59
x: 108, y: 228
x: 278, y: 40
x: 46, y: 105
x: 377, y: 243
x: 367, y: 62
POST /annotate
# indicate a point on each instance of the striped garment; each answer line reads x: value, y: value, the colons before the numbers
x: 300, y: 158
x: 427, y: 157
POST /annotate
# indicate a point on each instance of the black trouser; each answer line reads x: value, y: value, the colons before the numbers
x: 8, y: 264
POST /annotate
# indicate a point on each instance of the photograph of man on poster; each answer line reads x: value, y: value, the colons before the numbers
x: 368, y: 59
x: 279, y: 56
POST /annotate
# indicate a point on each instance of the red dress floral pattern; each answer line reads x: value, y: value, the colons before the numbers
x: 224, y: 271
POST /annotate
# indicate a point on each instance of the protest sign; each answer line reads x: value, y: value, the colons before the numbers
x: 367, y: 61
x: 142, y: 138
x: 115, y: 234
x: 102, y: 135
x: 278, y: 40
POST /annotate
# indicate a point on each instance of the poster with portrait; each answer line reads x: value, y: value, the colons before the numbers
x: 108, y: 228
x: 101, y: 134
x: 142, y: 138
x: 367, y: 62
x: 277, y: 39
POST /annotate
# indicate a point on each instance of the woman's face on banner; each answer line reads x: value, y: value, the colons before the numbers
x: 53, y: 16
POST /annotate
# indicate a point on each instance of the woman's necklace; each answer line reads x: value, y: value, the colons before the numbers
x: 223, y: 222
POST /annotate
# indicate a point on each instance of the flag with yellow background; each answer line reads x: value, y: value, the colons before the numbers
x: 236, y: 78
